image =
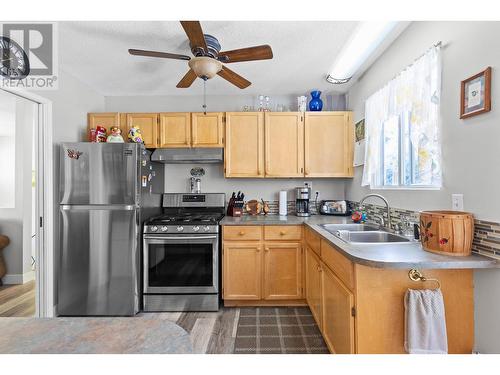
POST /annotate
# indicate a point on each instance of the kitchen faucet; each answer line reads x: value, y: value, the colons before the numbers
x: 388, y: 210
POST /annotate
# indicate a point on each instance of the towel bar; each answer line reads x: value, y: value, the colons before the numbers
x: 416, y: 275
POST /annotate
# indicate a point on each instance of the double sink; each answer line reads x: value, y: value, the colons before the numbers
x: 364, y: 234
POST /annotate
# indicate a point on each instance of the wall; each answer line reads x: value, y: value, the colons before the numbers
x: 177, y: 181
x: 470, y: 148
x: 176, y: 175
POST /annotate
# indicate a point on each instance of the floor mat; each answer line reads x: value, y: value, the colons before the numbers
x: 274, y: 330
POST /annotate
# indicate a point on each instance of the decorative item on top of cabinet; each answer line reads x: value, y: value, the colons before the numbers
x: 328, y: 144
x: 148, y: 123
x: 284, y: 144
x: 244, y: 144
x: 175, y: 129
x: 115, y: 135
x: 207, y: 130
x: 316, y: 104
x: 106, y: 120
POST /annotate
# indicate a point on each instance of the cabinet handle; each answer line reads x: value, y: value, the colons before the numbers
x: 266, y: 249
x: 241, y: 233
x: 257, y: 250
x: 320, y: 269
x: 282, y: 233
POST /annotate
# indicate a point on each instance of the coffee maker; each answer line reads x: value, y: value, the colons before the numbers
x: 302, y: 196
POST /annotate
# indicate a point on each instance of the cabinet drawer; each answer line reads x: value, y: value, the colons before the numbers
x: 313, y: 240
x: 283, y: 232
x: 242, y: 233
x: 339, y: 264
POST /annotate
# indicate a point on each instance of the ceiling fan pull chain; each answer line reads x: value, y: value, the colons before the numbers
x: 204, y: 96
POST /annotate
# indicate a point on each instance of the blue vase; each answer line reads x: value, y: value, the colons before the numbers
x: 316, y: 104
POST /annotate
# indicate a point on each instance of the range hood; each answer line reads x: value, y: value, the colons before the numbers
x: 188, y: 155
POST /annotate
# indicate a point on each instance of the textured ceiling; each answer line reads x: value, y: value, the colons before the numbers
x: 96, y: 53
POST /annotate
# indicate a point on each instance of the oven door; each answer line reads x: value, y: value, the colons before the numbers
x: 181, y: 264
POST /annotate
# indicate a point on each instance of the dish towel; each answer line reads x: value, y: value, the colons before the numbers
x: 425, y: 323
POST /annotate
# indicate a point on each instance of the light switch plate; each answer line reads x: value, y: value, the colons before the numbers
x: 457, y: 202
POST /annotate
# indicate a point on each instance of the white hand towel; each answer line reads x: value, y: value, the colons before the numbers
x: 425, y: 323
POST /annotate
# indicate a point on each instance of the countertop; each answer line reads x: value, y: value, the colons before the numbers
x: 390, y: 255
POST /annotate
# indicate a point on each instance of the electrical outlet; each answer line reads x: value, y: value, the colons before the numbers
x: 457, y: 202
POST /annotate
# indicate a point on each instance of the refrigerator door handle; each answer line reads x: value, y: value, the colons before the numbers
x: 107, y: 207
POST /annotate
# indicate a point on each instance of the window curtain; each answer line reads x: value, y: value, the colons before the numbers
x: 416, y: 90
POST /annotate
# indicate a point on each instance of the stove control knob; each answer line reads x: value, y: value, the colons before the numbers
x: 206, y: 228
x: 180, y: 228
x: 154, y: 228
x: 196, y: 228
x: 164, y: 228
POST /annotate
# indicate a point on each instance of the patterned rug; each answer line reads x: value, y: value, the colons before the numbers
x: 275, y: 330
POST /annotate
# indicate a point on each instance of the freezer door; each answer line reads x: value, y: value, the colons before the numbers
x: 99, y: 261
x: 99, y: 173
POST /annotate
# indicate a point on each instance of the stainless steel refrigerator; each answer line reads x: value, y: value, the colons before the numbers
x: 106, y: 191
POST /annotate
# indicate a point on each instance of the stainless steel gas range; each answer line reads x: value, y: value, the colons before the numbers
x: 182, y: 254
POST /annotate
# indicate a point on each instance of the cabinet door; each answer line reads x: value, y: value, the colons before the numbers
x: 107, y: 120
x: 207, y: 130
x: 338, y: 320
x: 284, y: 144
x: 313, y: 284
x: 242, y: 271
x: 282, y: 271
x: 175, y: 129
x: 244, y: 144
x: 328, y: 144
x: 148, y: 123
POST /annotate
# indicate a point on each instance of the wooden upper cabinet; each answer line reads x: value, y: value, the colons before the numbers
x: 313, y: 284
x: 328, y: 144
x: 337, y: 314
x: 244, y: 144
x: 242, y: 271
x: 284, y: 144
x: 148, y: 123
x: 282, y: 271
x: 175, y: 129
x: 207, y: 130
x: 107, y: 120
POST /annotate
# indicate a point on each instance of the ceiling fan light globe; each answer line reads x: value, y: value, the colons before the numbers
x: 205, y: 67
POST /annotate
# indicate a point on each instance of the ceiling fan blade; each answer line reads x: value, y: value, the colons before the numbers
x: 195, y: 34
x: 263, y: 52
x: 140, y: 52
x: 234, y: 78
x: 187, y: 80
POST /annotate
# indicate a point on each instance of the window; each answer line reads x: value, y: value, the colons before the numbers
x: 402, y: 129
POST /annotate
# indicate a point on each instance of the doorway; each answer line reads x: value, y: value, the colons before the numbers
x: 23, y: 201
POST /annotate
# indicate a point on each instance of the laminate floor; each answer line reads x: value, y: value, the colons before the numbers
x: 17, y: 300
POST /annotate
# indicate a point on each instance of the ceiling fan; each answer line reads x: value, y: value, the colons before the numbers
x: 208, y: 59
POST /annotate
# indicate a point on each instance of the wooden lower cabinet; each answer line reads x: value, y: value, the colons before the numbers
x: 313, y: 284
x: 282, y: 271
x: 337, y: 304
x: 258, y: 272
x: 361, y: 308
x: 242, y: 271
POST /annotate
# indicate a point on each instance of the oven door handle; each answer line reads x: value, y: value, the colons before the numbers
x: 180, y: 238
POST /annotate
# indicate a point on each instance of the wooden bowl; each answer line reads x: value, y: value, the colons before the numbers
x: 447, y: 232
x: 253, y: 207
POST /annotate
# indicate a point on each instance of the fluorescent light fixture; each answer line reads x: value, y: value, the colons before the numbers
x: 365, y: 39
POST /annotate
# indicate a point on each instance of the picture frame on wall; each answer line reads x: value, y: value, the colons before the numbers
x: 475, y: 94
x: 359, y: 143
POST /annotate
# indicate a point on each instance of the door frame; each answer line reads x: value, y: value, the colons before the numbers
x: 44, y: 273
